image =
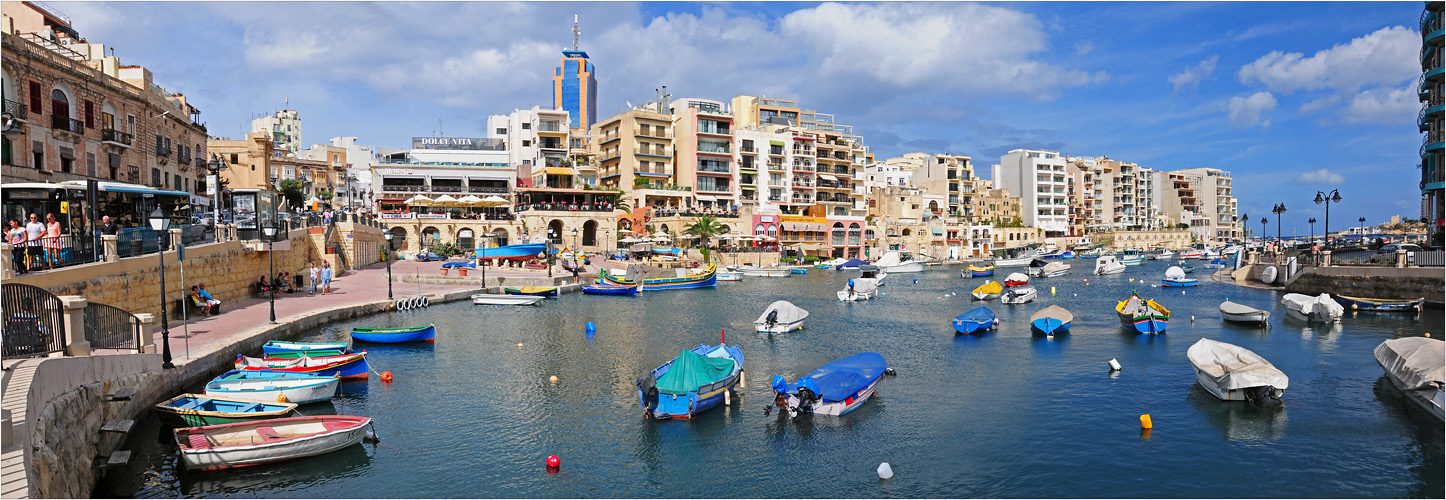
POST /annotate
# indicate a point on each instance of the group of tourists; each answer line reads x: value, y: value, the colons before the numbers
x: 35, y: 244
x: 282, y: 283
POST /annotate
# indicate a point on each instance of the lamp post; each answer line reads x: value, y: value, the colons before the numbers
x: 1263, y: 221
x: 388, y: 236
x: 215, y: 166
x: 1279, y: 209
x: 268, y: 228
x: 161, y: 224
x: 1321, y: 197
x: 482, y: 257
x: 1245, y: 226
x: 576, y: 245
x: 548, y: 249
x: 1364, y: 243
x: 1312, y: 230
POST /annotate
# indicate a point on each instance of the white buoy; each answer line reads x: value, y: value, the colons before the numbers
x: 727, y: 397
x: 885, y: 472
x: 742, y: 379
x: 1114, y: 364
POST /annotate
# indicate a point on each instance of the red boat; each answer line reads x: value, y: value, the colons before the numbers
x: 344, y: 365
x: 1016, y: 279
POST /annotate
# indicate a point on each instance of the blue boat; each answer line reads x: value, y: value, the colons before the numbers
x: 284, y: 347
x: 797, y: 271
x: 1380, y: 305
x: 395, y: 335
x: 468, y: 265
x: 1067, y: 255
x: 833, y: 389
x: 851, y: 264
x: 1052, y: 320
x: 607, y: 289
x: 692, y: 383
x: 523, y: 252
x: 980, y: 319
x: 271, y: 385
x: 1179, y: 282
x: 667, y: 250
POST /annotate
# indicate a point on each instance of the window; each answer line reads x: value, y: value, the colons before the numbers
x: 36, y: 100
x: 155, y: 176
x: 89, y: 114
x: 526, y: 143
x: 131, y: 124
x: 526, y: 126
x: 501, y: 131
x: 90, y: 164
x: 37, y: 150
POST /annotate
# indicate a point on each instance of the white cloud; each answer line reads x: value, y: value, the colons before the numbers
x: 1382, y: 105
x: 1387, y: 56
x: 1245, y: 112
x: 1192, y: 76
x: 1321, y: 177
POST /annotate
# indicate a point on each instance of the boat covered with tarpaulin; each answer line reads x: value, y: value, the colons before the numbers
x: 780, y: 317
x: 695, y: 381
x: 1052, y: 320
x: 1241, y: 313
x: 977, y: 320
x: 1318, y: 308
x: 1234, y: 373
x: 1175, y: 276
x: 1416, y: 366
x: 833, y: 389
x: 850, y: 264
x: 989, y: 290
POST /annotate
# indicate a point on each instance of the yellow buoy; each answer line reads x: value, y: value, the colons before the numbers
x: 1132, y: 280
x: 552, y: 379
x: 1145, y: 422
x: 519, y: 345
x: 1051, y: 290
x: 280, y: 398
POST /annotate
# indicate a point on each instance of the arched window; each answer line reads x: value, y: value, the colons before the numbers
x: 431, y: 237
x: 760, y: 229
x: 399, y: 238
x: 589, y: 233
x: 464, y: 240
x: 499, y: 237
x: 554, y: 231
x: 59, y: 104
x: 868, y: 234
x: 773, y: 230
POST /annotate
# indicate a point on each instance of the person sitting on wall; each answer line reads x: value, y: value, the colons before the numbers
x: 262, y: 286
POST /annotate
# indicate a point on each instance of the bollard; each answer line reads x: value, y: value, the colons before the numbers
x: 591, y: 328
x: 1145, y: 422
x: 1051, y: 290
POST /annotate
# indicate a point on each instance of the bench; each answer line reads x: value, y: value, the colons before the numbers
x: 185, y: 304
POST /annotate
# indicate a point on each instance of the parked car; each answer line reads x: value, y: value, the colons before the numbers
x: 1387, y: 252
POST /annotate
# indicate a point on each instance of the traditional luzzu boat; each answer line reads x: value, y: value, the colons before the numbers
x: 271, y: 385
x: 701, y: 279
x: 272, y: 347
x: 342, y: 365
x: 395, y: 335
x: 1380, y: 305
x: 521, y: 252
x: 1143, y: 316
x: 243, y: 444
x: 980, y: 320
x: 833, y: 389
x: 1234, y: 373
x: 195, y: 410
x: 536, y: 291
x: 609, y: 289
x: 695, y: 381
x: 1052, y: 320
x: 973, y: 271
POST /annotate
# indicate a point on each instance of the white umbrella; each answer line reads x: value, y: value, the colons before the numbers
x: 422, y: 200
x: 630, y: 239
x: 445, y: 200
x: 313, y: 199
x: 660, y: 234
x: 493, y: 201
x: 469, y: 200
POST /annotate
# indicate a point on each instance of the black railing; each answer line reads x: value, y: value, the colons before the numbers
x: 67, y: 124
x: 116, y: 136
x: 17, y: 109
x: 50, y: 253
x: 34, y: 321
x: 566, y: 207
x: 110, y: 327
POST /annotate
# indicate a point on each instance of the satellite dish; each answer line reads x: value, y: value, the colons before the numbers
x: 630, y: 104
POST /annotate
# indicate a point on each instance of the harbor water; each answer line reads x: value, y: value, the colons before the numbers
x: 1005, y: 414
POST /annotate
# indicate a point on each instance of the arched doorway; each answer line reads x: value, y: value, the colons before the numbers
x: 908, y: 232
x: 554, y: 231
x: 589, y: 233
x: 399, y: 238
x: 854, y: 234
x: 838, y: 234
x: 431, y: 237
x: 499, y: 237
x: 464, y: 240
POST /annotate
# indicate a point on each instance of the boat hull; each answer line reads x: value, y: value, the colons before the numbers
x: 729, y: 276
x: 1020, y: 262
x: 1433, y: 401
x: 344, y: 366
x: 1228, y: 394
x: 1185, y: 282
x: 837, y: 408
x: 300, y: 392
x: 1380, y: 305
x: 1049, y: 326
x: 1023, y: 297
x: 523, y: 252
x: 1257, y: 318
x: 280, y: 347
x: 536, y: 292
x: 335, y: 432
x: 610, y: 289
x: 912, y: 267
x: 779, y: 327
x: 395, y: 335
x: 968, y: 326
x: 194, y: 410
x: 984, y: 295
x: 505, y: 300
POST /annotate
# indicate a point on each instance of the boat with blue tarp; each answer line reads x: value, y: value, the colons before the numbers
x: 980, y: 320
x: 695, y: 381
x: 833, y: 389
x: 1052, y: 320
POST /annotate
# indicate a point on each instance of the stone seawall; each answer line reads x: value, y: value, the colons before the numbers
x: 67, y: 435
x: 1372, y: 282
x: 493, y: 281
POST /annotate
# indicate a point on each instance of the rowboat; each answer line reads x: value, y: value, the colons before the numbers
x: 973, y: 271
x: 704, y: 278
x: 498, y: 299
x: 521, y: 252
x: 1187, y: 269
x: 1019, y: 295
x: 1380, y: 305
x: 1016, y: 279
x: 1241, y: 313
x: 194, y: 410
x: 536, y: 291
x: 1143, y: 316
x: 344, y: 366
x: 989, y: 290
x: 729, y: 276
x: 833, y: 389
x: 1234, y: 373
x: 858, y: 289
x: 980, y: 319
x: 281, y: 346
x: 691, y: 383
x: 1307, y: 308
x: 215, y: 447
x: 1052, y: 320
x: 1416, y: 366
x: 760, y: 272
x: 675, y: 251
x: 395, y: 335
x: 1108, y: 264
x: 798, y: 271
x: 1174, y: 276
x: 609, y: 289
x: 780, y: 317
x: 271, y: 385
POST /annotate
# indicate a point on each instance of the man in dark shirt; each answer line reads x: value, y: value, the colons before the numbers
x: 107, y: 227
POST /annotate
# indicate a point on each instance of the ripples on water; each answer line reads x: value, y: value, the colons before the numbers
x: 1005, y: 414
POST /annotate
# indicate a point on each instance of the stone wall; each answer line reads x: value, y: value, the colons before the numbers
x: 67, y: 436
x: 1372, y: 282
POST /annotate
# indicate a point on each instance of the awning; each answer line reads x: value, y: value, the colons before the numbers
x: 827, y: 177
x: 775, y: 143
x: 938, y: 230
x: 557, y: 171
x: 704, y: 197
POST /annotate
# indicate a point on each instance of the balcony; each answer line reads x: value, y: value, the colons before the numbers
x: 17, y: 110
x: 802, y: 168
x: 606, y: 138
x: 714, y: 150
x: 776, y: 167
x: 549, y: 126
x: 663, y: 153
x: 716, y: 169
x: 653, y: 133
x: 67, y: 124
x: 802, y: 185
x: 163, y: 152
x: 115, y: 137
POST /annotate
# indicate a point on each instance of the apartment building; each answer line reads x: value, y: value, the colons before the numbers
x: 538, y: 142
x: 322, y: 169
x: 284, y: 126
x: 703, y: 151
x: 358, y: 167
x: 1432, y: 93
x: 838, y: 160
x: 1039, y: 178
x: 74, y: 113
x: 948, y: 175
x: 1216, y: 202
x: 634, y: 154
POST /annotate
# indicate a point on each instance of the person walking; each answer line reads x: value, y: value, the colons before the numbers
x: 52, y: 241
x: 325, y: 278
x: 16, y: 235
x: 313, y: 270
x: 34, y: 232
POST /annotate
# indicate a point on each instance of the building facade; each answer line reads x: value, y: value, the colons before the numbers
x: 574, y: 88
x: 1038, y: 177
x: 284, y: 128
x: 1429, y: 120
x: 703, y: 152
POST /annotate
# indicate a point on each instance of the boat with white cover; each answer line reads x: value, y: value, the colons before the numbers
x: 1016, y: 262
x: 1241, y: 313
x: 1019, y: 295
x: 499, y: 299
x: 226, y: 446
x: 858, y: 289
x: 1108, y: 264
x: 1320, y: 308
x: 1234, y: 373
x: 1054, y: 269
x: 761, y: 272
x: 1417, y: 366
x: 780, y: 317
x: 899, y: 262
x: 1016, y: 279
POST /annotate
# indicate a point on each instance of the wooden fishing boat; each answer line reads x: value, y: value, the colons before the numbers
x: 692, y: 383
x: 1052, y: 320
x: 1380, y: 305
x: 1016, y: 279
x: 606, y: 289
x: 1241, y: 313
x: 1234, y: 373
x: 195, y: 410
x: 1416, y: 366
x: 280, y: 346
x: 536, y: 291
x: 989, y: 290
x: 499, y: 299
x: 270, y: 385
x: 344, y: 366
x: 980, y: 319
x: 973, y: 271
x: 215, y: 447
x: 1019, y: 295
x: 833, y: 389
x: 706, y: 277
x: 1143, y: 316
x: 395, y: 335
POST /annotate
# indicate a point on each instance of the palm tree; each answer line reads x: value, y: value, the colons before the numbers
x: 704, y: 227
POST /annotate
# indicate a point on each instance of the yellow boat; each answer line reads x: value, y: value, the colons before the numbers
x: 988, y: 290
x: 540, y: 291
x: 974, y: 271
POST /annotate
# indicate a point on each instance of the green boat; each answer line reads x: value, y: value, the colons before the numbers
x: 305, y: 354
x: 195, y: 410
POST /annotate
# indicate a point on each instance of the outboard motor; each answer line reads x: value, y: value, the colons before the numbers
x: 806, y: 400
x: 1266, y: 394
x: 649, y: 387
x: 772, y: 318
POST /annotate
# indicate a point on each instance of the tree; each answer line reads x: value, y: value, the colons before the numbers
x: 704, y: 227
x: 291, y: 192
x: 1182, y: 225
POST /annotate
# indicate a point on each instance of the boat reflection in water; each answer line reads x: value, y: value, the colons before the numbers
x: 1239, y: 421
x: 335, y: 467
x: 1426, y: 449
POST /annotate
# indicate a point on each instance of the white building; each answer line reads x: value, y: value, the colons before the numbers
x: 434, y: 166
x: 534, y: 137
x: 882, y: 174
x: 1039, y: 179
x: 284, y: 127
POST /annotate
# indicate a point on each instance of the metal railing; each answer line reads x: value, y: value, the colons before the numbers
x: 110, y: 327
x: 34, y: 321
x: 17, y: 109
x: 66, y: 123
x: 115, y: 136
x: 566, y: 207
x: 54, y: 252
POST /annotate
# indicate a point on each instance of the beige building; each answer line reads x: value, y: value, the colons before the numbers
x: 1171, y: 239
x: 284, y: 128
x: 703, y: 152
x: 1216, y: 202
x: 634, y: 154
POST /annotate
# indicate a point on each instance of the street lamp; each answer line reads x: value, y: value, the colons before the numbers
x: 1263, y: 220
x: 1364, y: 243
x: 215, y: 166
x: 388, y: 236
x: 1245, y: 225
x: 548, y: 249
x: 482, y: 257
x: 1320, y: 197
x: 1312, y: 230
x: 576, y: 247
x: 161, y: 224
x: 268, y: 228
x: 1279, y: 209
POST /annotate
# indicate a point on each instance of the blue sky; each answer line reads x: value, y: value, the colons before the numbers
x: 1291, y: 97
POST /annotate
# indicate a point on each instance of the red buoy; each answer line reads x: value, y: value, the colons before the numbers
x: 553, y: 462
x: 386, y: 376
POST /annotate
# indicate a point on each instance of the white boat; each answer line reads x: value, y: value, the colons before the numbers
x: 1054, y: 269
x: 1267, y: 275
x: 499, y: 299
x: 1307, y: 308
x: 1234, y: 373
x: 1230, y: 250
x: 1417, y: 366
x: 872, y: 272
x: 761, y: 272
x: 1108, y: 264
x: 1017, y: 262
x: 729, y: 276
x: 1241, y: 313
x: 226, y: 446
x: 1163, y: 254
x: 897, y: 262
x: 858, y: 289
x: 265, y: 385
x: 1130, y: 257
x: 832, y: 262
x: 780, y: 317
x: 1019, y: 295
x: 1016, y: 279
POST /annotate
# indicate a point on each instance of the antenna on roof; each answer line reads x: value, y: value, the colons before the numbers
x: 575, y: 32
